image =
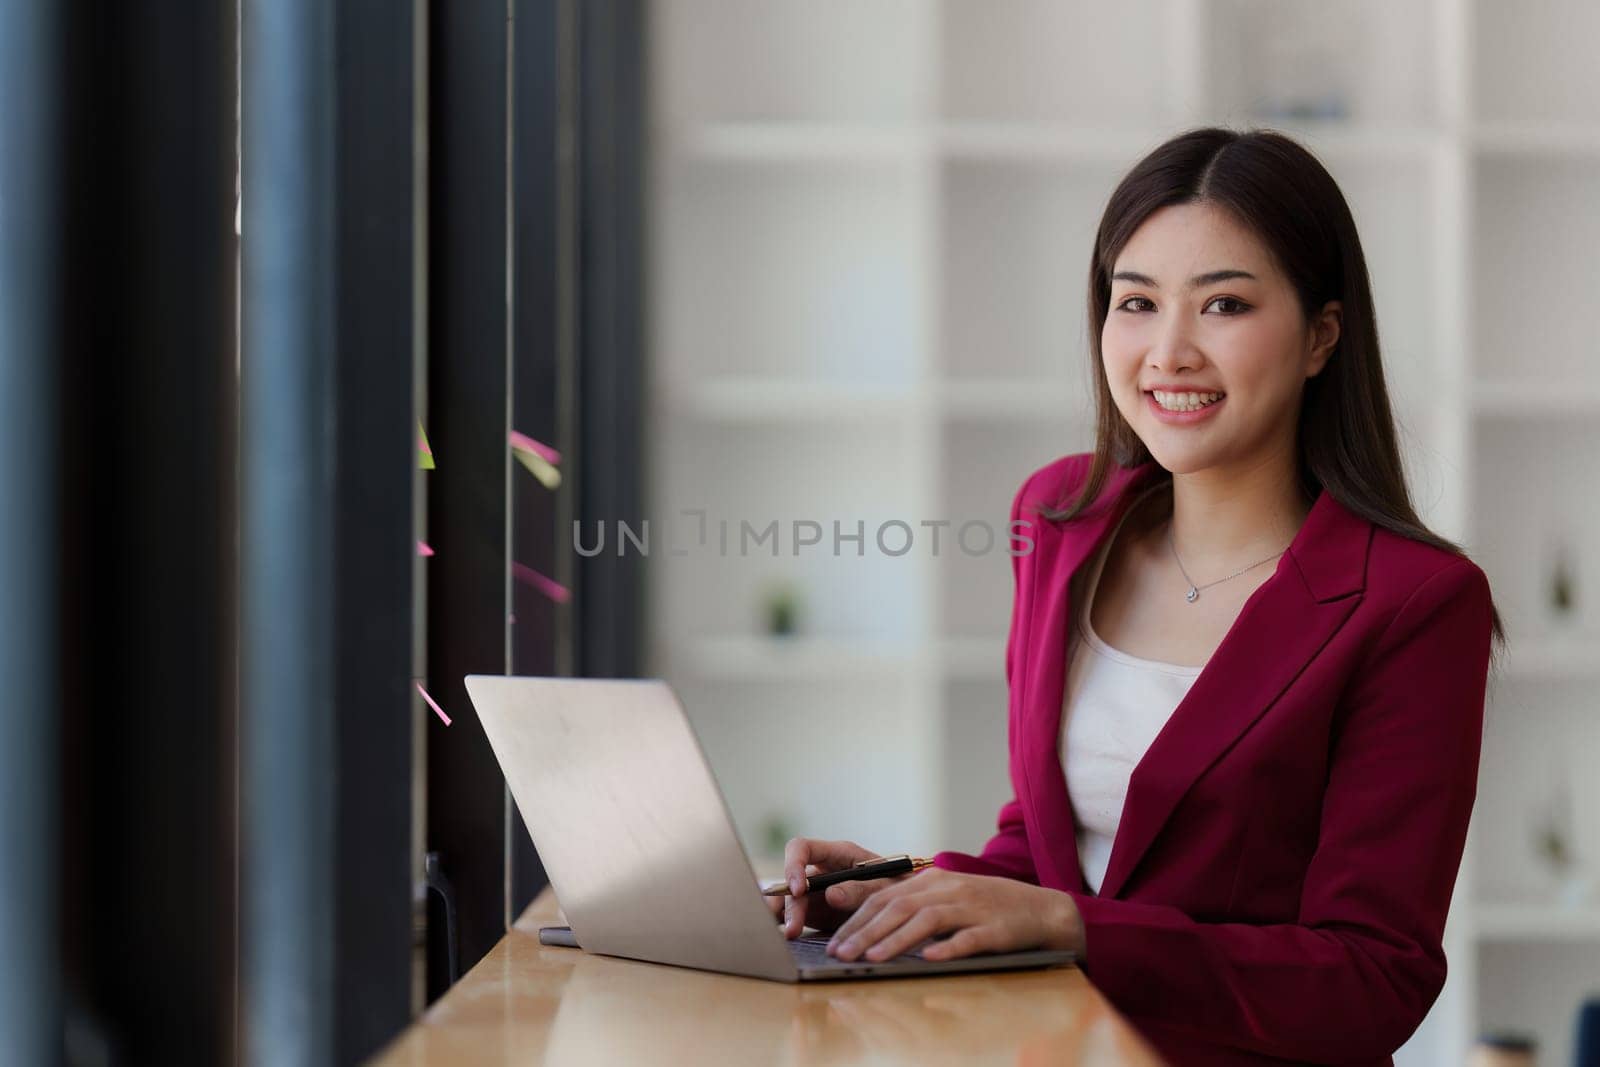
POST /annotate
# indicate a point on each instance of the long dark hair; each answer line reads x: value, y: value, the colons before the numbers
x: 1274, y: 186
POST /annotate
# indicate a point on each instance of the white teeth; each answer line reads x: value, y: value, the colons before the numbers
x: 1185, y: 401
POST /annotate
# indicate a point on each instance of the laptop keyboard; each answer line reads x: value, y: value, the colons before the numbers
x: 811, y: 950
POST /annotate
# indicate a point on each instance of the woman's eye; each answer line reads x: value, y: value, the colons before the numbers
x: 1225, y: 305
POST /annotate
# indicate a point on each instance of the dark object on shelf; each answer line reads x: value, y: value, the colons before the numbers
x: 1504, y: 1049
x: 1553, y: 833
x: 1330, y: 107
x: 1586, y: 1046
x: 783, y: 607
x: 1561, y: 585
x: 440, y: 886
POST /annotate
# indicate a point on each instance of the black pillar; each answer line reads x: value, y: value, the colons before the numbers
x: 544, y: 194
x: 611, y: 361
x: 374, y: 547
x: 327, y: 548
x: 535, y: 196
x: 286, y: 537
x: 30, y: 74
x: 147, y: 542
x: 467, y: 417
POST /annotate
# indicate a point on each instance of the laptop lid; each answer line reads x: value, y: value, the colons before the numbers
x: 629, y: 822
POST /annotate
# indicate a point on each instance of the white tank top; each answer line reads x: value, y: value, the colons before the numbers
x: 1114, y: 704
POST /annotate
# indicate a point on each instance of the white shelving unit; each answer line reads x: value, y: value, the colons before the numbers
x: 871, y: 225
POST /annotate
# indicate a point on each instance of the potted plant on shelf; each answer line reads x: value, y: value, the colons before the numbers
x: 781, y: 609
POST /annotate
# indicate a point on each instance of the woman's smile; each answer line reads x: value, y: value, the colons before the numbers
x: 1186, y: 410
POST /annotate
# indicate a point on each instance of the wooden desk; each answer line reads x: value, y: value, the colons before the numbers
x: 528, y: 1003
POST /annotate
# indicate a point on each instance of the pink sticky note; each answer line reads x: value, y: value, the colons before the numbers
x: 538, y: 448
x: 548, y: 586
x: 437, y: 710
x: 423, y: 549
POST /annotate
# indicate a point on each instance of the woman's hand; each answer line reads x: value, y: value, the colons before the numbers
x: 979, y: 912
x: 806, y: 856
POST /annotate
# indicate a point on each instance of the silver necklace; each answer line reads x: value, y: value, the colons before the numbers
x: 1194, y: 590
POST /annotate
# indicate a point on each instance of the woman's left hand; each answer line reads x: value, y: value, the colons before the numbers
x: 981, y: 913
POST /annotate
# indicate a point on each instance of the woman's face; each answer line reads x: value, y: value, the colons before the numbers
x: 1198, y: 307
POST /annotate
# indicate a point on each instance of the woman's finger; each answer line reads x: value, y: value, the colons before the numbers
x: 928, y: 921
x: 861, y: 916
x: 968, y: 941
x: 805, y: 856
x: 869, y: 907
x: 796, y: 854
x: 827, y: 855
x: 885, y: 919
x: 795, y: 908
x: 848, y: 896
x: 930, y: 887
x: 827, y: 909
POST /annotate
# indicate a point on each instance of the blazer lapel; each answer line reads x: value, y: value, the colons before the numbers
x: 1060, y: 551
x: 1281, y: 627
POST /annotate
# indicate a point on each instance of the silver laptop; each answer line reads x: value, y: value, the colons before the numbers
x: 636, y: 837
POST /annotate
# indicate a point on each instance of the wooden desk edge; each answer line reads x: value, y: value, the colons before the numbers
x: 453, y: 1027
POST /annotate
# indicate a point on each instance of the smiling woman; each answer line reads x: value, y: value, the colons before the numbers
x: 1241, y: 791
x: 1173, y: 355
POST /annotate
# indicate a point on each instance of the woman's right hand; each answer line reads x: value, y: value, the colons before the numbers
x: 805, y: 856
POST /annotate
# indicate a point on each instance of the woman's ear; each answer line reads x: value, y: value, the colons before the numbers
x: 1325, y: 331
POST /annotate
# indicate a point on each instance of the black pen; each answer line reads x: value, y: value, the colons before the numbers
x: 887, y: 867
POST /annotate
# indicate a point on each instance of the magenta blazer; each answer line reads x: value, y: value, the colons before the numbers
x: 1278, y: 883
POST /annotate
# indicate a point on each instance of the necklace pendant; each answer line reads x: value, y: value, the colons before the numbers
x: 1192, y: 595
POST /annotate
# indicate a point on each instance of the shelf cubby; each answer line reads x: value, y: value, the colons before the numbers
x: 1534, y: 235
x: 867, y: 61
x: 1017, y: 239
x: 1367, y: 62
x: 984, y: 464
x: 1531, y: 63
x: 1533, y: 505
x: 1538, y: 752
x: 743, y: 474
x: 1042, y: 61
x: 837, y: 295
x: 975, y: 762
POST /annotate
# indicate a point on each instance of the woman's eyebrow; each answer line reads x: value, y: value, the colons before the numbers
x: 1208, y: 278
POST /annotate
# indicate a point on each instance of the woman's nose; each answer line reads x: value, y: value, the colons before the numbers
x: 1174, y: 346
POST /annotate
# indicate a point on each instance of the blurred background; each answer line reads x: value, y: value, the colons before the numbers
x: 727, y: 266
x: 872, y: 225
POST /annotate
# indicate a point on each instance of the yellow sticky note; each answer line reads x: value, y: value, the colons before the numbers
x: 539, y: 467
x: 424, y: 453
